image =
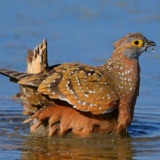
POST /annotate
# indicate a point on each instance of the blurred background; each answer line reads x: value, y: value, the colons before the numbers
x: 79, y: 31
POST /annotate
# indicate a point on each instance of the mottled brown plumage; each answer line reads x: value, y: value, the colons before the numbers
x: 83, y: 98
x: 37, y: 59
x: 36, y: 62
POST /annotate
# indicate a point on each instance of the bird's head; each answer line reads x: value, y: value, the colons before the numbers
x: 132, y: 45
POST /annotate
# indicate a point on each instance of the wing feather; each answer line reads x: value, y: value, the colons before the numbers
x: 83, y: 86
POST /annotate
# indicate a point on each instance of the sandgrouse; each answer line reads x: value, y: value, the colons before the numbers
x: 81, y: 98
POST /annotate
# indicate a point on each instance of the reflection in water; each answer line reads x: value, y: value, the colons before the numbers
x: 97, y: 146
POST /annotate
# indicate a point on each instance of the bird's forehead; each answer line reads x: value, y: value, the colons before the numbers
x: 135, y: 36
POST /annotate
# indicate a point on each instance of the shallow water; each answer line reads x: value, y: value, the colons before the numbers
x: 81, y: 31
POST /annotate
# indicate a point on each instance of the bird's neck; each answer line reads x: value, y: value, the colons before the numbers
x: 124, y: 75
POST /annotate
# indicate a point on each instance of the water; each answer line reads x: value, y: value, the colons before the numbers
x: 81, y: 31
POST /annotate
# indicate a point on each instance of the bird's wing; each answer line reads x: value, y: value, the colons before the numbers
x: 33, y: 80
x: 82, y: 86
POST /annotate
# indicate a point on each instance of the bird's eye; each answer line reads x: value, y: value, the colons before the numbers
x: 138, y: 43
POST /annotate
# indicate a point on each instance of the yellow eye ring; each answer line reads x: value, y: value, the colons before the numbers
x: 138, y: 42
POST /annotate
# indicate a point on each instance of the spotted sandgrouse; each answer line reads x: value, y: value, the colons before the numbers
x: 84, y: 99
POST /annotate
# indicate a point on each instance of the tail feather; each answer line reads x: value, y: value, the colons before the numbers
x: 14, y: 76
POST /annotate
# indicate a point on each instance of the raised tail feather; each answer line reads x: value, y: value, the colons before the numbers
x: 14, y: 76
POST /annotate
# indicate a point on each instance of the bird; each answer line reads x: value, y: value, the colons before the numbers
x: 84, y: 99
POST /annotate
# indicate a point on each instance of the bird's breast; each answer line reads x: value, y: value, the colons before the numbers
x: 125, y: 76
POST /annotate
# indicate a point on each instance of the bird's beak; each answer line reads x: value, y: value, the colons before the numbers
x: 150, y: 44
